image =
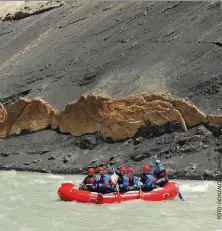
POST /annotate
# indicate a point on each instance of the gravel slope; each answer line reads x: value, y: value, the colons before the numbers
x: 119, y: 49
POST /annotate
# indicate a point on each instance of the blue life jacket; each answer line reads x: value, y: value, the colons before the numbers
x: 159, y: 172
x: 148, y: 182
x: 106, y: 181
x: 133, y: 181
x: 123, y: 181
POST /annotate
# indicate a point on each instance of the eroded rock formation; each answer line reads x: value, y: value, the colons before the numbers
x: 2, y: 113
x: 19, y: 10
x: 26, y: 114
x: 116, y: 118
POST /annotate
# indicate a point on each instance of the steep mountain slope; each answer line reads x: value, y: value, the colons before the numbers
x: 117, y: 49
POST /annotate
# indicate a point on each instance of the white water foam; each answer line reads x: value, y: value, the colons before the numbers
x: 195, y: 188
x: 113, y: 207
x: 16, y: 198
x: 8, y: 173
x: 55, y: 177
x: 40, y: 181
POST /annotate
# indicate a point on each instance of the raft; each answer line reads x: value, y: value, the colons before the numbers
x: 68, y: 192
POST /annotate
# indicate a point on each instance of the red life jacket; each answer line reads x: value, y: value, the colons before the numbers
x: 89, y: 180
x: 161, y: 174
x: 131, y: 183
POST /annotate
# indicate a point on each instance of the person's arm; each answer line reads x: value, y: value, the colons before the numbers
x: 155, y: 172
x: 135, y: 182
x: 83, y: 182
x: 148, y: 181
x: 117, y: 171
x: 96, y: 182
x: 125, y: 182
x: 106, y: 180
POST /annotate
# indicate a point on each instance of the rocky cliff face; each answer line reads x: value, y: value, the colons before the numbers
x: 115, y: 118
x: 115, y: 51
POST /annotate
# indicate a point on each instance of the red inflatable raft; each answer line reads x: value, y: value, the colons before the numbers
x: 68, y: 192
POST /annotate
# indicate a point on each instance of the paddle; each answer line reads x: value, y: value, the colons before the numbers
x: 85, y: 184
x: 180, y: 196
x: 118, y: 195
x: 118, y: 192
x: 141, y: 195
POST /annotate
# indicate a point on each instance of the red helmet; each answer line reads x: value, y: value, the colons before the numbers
x: 130, y: 169
x: 91, y: 170
x: 146, y: 168
x: 122, y: 169
x: 100, y: 169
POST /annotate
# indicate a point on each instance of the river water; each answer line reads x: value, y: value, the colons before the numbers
x: 29, y: 201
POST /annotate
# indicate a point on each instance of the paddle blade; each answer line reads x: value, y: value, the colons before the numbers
x: 180, y: 196
x: 119, y: 197
x: 100, y: 199
x: 141, y: 196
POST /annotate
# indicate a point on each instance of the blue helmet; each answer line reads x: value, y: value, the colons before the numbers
x: 157, y: 162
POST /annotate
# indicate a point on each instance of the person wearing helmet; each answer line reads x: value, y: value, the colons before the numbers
x: 123, y: 180
x: 117, y: 170
x: 90, y: 181
x: 105, y: 183
x: 133, y: 180
x: 160, y: 174
x: 147, y: 179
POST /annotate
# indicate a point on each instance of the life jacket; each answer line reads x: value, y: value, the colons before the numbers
x: 131, y: 180
x: 102, y: 178
x: 161, y: 174
x: 120, y: 179
x: 153, y: 179
x: 149, y: 175
x: 123, y: 181
x: 110, y: 180
x: 89, y: 180
x: 143, y: 178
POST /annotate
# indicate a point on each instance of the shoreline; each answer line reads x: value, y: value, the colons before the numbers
x: 191, y: 155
